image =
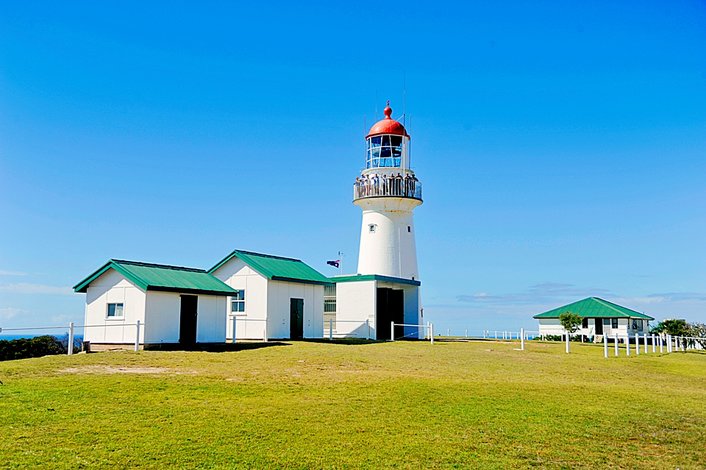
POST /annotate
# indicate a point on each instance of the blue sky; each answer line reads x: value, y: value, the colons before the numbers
x: 562, y: 145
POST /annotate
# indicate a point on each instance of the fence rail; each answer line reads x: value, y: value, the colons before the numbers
x: 632, y: 344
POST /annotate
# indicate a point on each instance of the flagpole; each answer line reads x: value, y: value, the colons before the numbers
x: 340, y: 265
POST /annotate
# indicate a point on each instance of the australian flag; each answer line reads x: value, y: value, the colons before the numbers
x: 335, y: 263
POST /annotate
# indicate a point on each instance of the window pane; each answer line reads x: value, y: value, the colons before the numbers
x: 386, y: 140
x: 118, y: 310
x: 396, y: 141
x: 111, y: 310
x: 377, y: 141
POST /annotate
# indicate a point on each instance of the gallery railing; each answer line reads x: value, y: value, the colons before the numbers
x: 387, y: 187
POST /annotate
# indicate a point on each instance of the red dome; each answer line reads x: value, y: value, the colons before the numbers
x: 387, y: 125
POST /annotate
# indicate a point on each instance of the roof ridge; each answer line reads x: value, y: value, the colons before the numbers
x: 613, y: 306
x: 156, y: 265
x: 265, y: 255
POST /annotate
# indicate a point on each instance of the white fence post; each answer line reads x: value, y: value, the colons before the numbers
x: 627, y: 345
x: 367, y: 324
x: 137, y: 336
x: 615, y: 337
x: 234, y: 327
x: 567, y: 342
x: 264, y: 333
x: 466, y: 332
x: 330, y: 329
x: 70, y: 346
x: 522, y: 340
x: 392, y: 331
x: 645, y: 340
x: 637, y: 344
x: 605, y: 346
x: 431, y: 332
x: 659, y: 338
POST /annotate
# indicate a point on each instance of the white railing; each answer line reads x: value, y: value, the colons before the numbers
x: 71, y: 330
x: 249, y: 335
x: 387, y: 186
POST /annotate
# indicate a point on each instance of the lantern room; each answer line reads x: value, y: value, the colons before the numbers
x: 387, y: 144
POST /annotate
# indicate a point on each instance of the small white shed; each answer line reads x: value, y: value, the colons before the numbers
x: 175, y: 305
x: 367, y: 304
x: 275, y: 297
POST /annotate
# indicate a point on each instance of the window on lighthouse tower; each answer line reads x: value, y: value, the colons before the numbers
x: 384, y: 151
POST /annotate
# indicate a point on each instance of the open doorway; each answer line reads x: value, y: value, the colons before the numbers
x: 390, y: 308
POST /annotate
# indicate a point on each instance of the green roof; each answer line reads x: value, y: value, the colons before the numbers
x: 160, y: 277
x: 594, y: 307
x: 375, y: 277
x: 276, y: 268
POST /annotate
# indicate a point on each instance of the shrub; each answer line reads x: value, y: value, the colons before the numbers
x: 30, y: 347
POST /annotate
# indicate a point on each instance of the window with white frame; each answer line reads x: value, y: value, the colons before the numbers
x: 115, y: 310
x: 237, y: 302
x: 613, y: 322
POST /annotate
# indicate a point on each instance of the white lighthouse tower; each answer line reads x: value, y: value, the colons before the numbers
x: 388, y: 191
x: 385, y: 290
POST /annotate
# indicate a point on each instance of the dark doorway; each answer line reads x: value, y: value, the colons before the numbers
x: 296, y: 318
x: 599, y: 326
x: 390, y: 308
x: 187, y: 322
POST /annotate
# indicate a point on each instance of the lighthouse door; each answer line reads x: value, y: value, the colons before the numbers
x: 390, y: 308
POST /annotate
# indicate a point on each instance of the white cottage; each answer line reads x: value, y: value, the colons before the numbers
x: 275, y: 297
x: 598, y: 317
x: 175, y: 305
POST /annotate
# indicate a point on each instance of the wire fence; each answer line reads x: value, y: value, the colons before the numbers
x: 252, y: 328
x: 130, y: 333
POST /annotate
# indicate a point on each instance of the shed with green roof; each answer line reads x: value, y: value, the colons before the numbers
x: 171, y: 304
x: 275, y: 296
x: 599, y: 317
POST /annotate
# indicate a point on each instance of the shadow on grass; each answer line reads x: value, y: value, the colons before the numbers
x: 216, y: 347
x: 344, y: 341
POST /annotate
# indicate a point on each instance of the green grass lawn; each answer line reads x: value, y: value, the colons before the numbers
x: 403, y: 404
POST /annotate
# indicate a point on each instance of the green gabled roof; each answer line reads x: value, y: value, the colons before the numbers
x: 148, y: 276
x: 374, y: 277
x: 276, y: 268
x: 594, y: 307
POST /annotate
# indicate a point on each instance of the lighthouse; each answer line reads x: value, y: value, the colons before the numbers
x: 388, y: 191
x: 385, y: 290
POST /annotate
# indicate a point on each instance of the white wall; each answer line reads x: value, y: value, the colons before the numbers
x: 279, y: 294
x: 412, y: 313
x: 552, y: 326
x: 391, y: 249
x: 112, y: 287
x: 251, y: 323
x: 355, y: 303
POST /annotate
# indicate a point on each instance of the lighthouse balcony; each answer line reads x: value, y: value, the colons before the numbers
x: 407, y: 187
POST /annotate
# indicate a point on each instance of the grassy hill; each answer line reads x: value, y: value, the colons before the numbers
x: 404, y: 404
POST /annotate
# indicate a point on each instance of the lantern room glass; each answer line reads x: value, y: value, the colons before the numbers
x: 384, y: 151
